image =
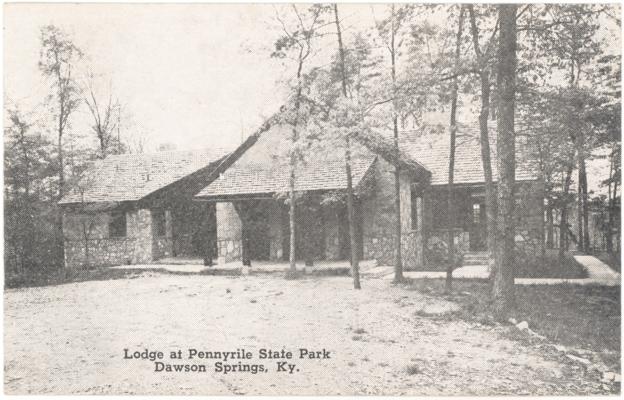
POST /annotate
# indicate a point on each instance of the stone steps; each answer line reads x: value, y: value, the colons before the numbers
x: 475, y: 258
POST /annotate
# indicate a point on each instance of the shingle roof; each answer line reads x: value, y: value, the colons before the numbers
x: 430, y: 146
x: 265, y: 179
x: 424, y: 151
x: 130, y: 177
x: 384, y: 146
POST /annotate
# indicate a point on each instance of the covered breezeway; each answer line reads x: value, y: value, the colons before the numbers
x: 258, y: 230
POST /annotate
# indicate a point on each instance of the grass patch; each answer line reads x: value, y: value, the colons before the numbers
x: 586, y: 317
x: 534, y: 266
x: 549, y: 266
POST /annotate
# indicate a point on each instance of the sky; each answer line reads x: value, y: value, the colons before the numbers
x: 188, y: 75
x: 191, y: 75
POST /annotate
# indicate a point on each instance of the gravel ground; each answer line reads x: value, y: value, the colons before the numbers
x: 70, y: 339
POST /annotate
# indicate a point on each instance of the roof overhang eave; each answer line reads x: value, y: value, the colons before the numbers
x: 91, y: 207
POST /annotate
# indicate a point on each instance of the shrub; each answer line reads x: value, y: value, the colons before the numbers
x: 413, y: 369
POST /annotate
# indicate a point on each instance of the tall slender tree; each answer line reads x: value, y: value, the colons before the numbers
x: 297, y: 40
x: 57, y: 58
x: 483, y: 68
x: 389, y: 29
x: 503, y: 287
x: 452, y: 144
x: 355, y: 269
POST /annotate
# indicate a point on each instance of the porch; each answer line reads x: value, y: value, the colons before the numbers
x: 468, y: 222
x: 256, y: 230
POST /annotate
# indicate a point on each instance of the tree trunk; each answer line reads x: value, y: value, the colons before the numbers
x: 612, y: 214
x: 503, y: 288
x: 102, y: 144
x: 86, y: 243
x: 291, y: 221
x: 585, y: 206
x: 550, y: 238
x: 579, y: 215
x: 451, y: 170
x: 563, y: 219
x: 341, y: 52
x: 398, y: 259
x: 484, y: 138
x: 610, y: 202
x: 579, y: 199
x: 60, y: 242
x: 292, y: 176
x: 355, y: 270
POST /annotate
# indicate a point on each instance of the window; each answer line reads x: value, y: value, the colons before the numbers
x: 117, y: 224
x: 160, y: 222
x: 476, y: 213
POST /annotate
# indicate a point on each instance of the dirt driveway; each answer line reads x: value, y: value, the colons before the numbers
x: 71, y: 339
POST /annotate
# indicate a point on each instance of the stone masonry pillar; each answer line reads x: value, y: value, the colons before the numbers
x: 229, y: 233
x: 139, y: 227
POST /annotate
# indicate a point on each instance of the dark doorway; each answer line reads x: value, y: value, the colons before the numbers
x: 255, y: 227
x: 344, y: 234
x: 309, y: 238
x: 194, y: 229
x: 478, y: 227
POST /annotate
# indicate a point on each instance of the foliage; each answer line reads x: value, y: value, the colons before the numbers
x: 43, y: 155
x: 57, y: 58
x: 29, y: 215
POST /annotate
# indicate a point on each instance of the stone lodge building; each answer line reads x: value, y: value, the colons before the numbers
x: 142, y: 208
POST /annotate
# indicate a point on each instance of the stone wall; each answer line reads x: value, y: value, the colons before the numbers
x: 102, y: 252
x: 229, y: 233
x: 379, y: 215
x: 140, y: 227
x: 163, y: 245
x: 529, y: 212
x: 422, y: 242
x: 436, y: 247
x: 529, y: 219
x: 99, y: 249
